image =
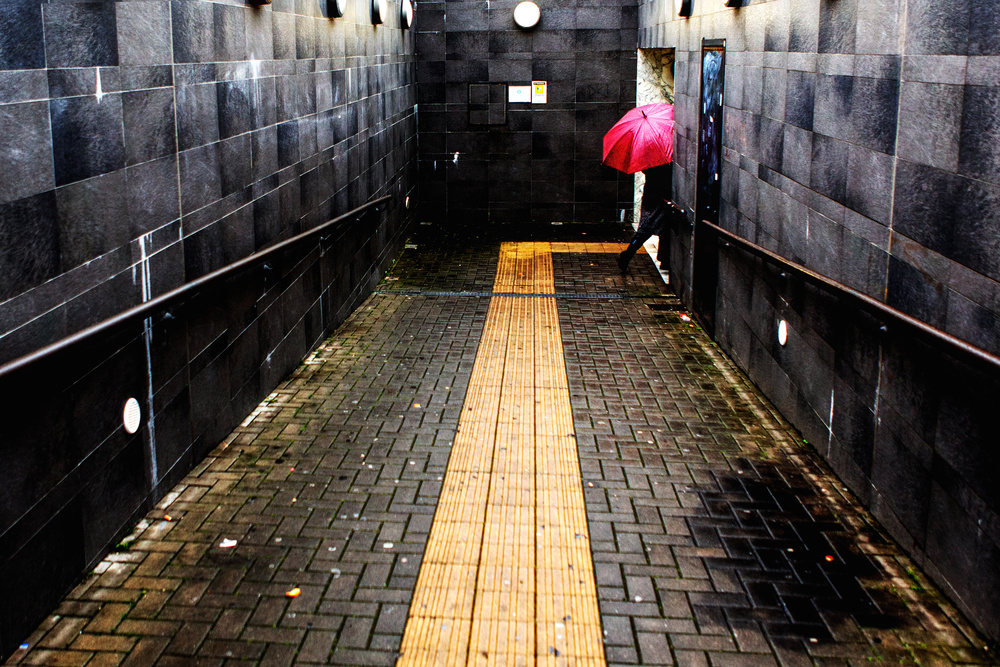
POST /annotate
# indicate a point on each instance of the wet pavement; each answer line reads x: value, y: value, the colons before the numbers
x: 717, y: 537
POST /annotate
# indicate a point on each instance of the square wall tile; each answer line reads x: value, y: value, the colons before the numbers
x: 93, y: 218
x: 235, y: 108
x: 149, y: 125
x: 153, y: 195
x: 197, y: 115
x: 980, y: 137
x: 230, y: 32
x: 828, y: 174
x: 87, y: 137
x: 81, y: 34
x: 984, y: 30
x: 937, y: 28
x: 22, y: 45
x: 143, y: 33
x: 25, y: 154
x: 193, y: 29
x: 838, y: 26
x: 930, y: 124
x: 29, y: 243
x: 201, y: 183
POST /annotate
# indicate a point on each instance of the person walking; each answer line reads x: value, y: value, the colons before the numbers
x: 655, y: 209
x: 643, y: 140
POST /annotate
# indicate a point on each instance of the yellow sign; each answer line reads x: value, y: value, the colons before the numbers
x: 539, y: 92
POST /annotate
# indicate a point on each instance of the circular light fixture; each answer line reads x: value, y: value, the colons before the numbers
x: 782, y: 333
x: 527, y: 15
x: 336, y: 7
x: 406, y: 14
x: 378, y: 11
x: 683, y: 7
x: 131, y: 416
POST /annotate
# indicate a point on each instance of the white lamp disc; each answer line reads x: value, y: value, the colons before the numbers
x: 131, y: 416
x: 527, y: 14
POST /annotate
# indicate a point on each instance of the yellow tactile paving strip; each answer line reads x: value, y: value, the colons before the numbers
x: 507, y: 577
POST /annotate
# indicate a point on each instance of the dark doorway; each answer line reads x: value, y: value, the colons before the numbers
x: 655, y: 84
x: 706, y: 246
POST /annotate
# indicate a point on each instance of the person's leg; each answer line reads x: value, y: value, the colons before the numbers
x: 633, y: 247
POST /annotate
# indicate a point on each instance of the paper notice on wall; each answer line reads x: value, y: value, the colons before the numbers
x: 539, y: 92
x: 519, y: 94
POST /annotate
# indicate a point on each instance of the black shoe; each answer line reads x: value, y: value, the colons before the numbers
x: 623, y: 261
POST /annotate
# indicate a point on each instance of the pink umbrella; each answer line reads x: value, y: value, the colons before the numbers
x: 643, y: 138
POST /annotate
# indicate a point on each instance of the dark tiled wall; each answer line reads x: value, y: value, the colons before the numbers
x: 145, y: 144
x: 860, y: 140
x: 540, y: 163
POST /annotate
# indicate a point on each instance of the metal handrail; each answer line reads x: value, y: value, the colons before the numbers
x: 867, y: 301
x: 146, y: 307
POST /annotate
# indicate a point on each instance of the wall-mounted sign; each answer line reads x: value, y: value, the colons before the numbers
x: 539, y: 92
x: 519, y: 94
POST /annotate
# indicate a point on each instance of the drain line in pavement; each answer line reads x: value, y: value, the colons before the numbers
x: 545, y: 295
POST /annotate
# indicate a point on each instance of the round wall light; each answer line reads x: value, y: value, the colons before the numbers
x: 683, y: 7
x: 131, y: 416
x: 378, y: 11
x: 336, y: 8
x: 406, y: 14
x: 527, y: 14
x: 782, y: 333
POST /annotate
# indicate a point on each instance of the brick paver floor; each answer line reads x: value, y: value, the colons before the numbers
x: 717, y: 537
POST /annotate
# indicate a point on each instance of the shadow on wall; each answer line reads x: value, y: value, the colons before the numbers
x: 907, y: 424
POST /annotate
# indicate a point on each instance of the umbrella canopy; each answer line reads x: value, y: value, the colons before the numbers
x: 643, y: 138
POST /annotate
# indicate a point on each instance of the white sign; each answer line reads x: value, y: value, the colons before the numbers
x: 519, y: 94
x: 539, y: 92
